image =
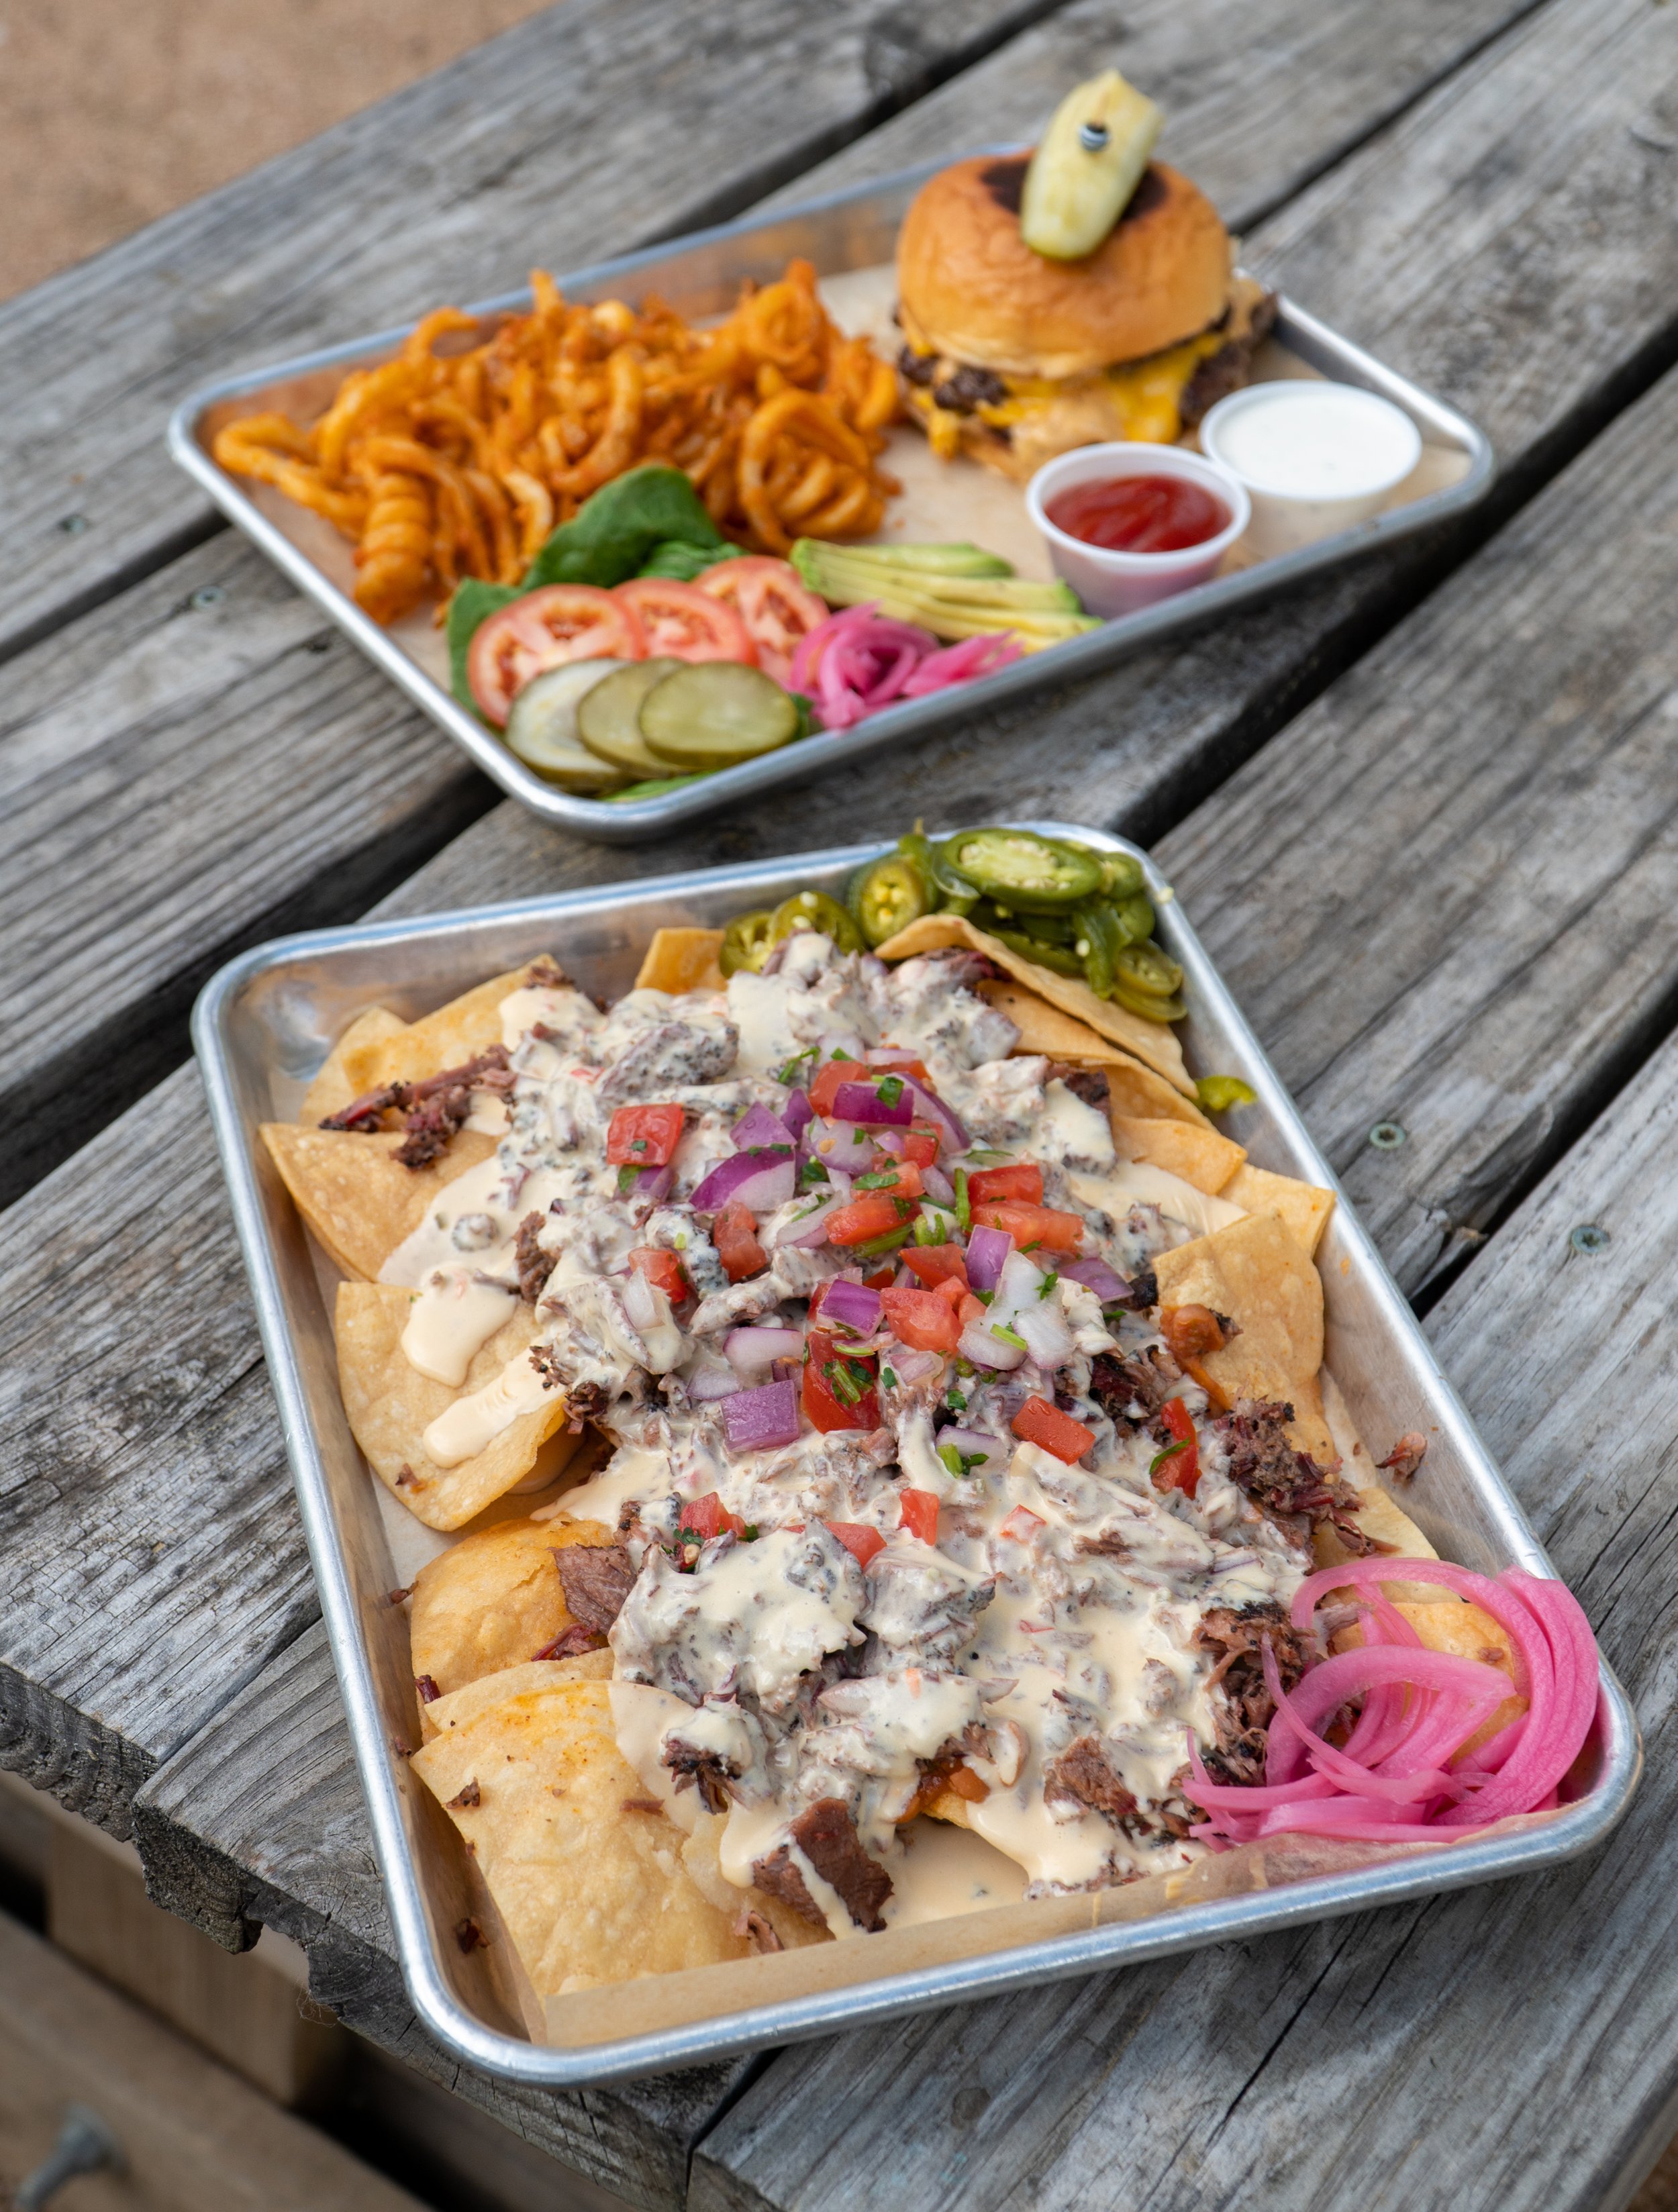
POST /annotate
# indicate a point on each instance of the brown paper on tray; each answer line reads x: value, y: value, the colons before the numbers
x: 353, y: 1193
x: 661, y: 2001
x: 1154, y: 1043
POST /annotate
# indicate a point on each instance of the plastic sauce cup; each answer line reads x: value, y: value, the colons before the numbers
x: 1109, y: 582
x: 1315, y: 457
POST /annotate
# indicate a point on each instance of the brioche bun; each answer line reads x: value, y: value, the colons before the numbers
x: 971, y: 288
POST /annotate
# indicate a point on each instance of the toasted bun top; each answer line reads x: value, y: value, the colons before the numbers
x: 972, y: 290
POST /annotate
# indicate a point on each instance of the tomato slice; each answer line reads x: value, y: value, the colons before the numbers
x: 682, y: 622
x: 877, y: 1214
x: 1023, y: 1179
x: 772, y: 600
x: 709, y: 1516
x: 544, y: 629
x: 922, y: 1319
x: 861, y: 1541
x: 936, y: 1263
x: 1032, y: 1226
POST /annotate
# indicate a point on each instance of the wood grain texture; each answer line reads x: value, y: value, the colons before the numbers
x: 580, y: 134
x: 1448, y: 894
x: 213, y: 773
x: 260, y: 1819
x: 1506, y: 2049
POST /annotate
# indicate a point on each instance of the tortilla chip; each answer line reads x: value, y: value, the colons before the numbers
x: 1256, y: 1273
x: 1304, y: 1206
x: 591, y: 1888
x: 390, y: 1405
x: 1154, y: 1043
x: 331, y: 1088
x: 452, y: 1035
x: 494, y: 1600
x: 445, y: 1714
x: 680, y: 960
x: 1132, y: 1088
x: 1200, y: 1155
x: 353, y: 1193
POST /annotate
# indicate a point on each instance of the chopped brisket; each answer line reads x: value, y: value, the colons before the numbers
x: 584, y: 1401
x: 1117, y: 1384
x: 1241, y: 1703
x: 1286, y: 1484
x: 432, y: 1110
x: 428, y: 1692
x: 534, y: 1265
x: 826, y: 1833
x: 571, y: 1642
x: 545, y: 974
x: 546, y: 1362
x: 1089, y: 1083
x: 1405, y: 1457
x: 757, y: 1931
x: 467, y: 1799
x: 704, y: 1770
x: 1004, y: 181
x: 1083, y: 1774
x: 597, y: 1578
x: 469, y: 1936
x: 641, y: 1805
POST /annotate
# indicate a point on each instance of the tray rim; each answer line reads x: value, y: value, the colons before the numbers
x: 1576, y: 1829
x: 612, y: 823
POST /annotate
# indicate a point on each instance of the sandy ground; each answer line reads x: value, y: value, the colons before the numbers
x: 113, y: 112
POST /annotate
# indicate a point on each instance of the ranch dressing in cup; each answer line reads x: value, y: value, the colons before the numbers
x: 1314, y: 457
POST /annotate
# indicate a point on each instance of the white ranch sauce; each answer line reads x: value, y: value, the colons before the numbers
x: 1307, y: 440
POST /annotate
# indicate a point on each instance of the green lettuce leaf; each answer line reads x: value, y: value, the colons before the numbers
x: 681, y: 562
x: 473, y: 602
x: 616, y: 529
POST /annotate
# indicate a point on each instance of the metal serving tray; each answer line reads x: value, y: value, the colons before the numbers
x: 700, y: 275
x: 262, y: 1025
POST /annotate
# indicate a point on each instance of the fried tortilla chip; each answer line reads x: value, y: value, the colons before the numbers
x: 460, y: 1706
x: 453, y: 1035
x: 358, y: 1200
x: 591, y: 1885
x: 1154, y: 1043
x: 1200, y: 1155
x: 1304, y: 1206
x: 680, y: 960
x: 1132, y: 1089
x: 391, y: 1406
x: 1256, y: 1273
x: 494, y: 1600
x: 332, y: 1087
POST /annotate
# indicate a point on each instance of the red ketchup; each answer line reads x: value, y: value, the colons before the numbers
x: 1139, y: 514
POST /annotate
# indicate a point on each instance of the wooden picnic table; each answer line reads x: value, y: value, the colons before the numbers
x: 1425, y: 814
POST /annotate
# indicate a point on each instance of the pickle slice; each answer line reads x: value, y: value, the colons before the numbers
x: 716, y: 713
x: 609, y: 719
x: 1091, y: 159
x: 542, y: 728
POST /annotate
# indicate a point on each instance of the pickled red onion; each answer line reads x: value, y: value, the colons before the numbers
x: 1402, y: 1774
x: 856, y: 662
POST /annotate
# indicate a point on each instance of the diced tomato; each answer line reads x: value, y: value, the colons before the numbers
x: 881, y: 1279
x: 709, y: 1516
x: 885, y: 1062
x: 921, y: 1320
x: 906, y: 1180
x: 917, y: 1511
x: 1182, y: 1470
x: 861, y: 1541
x: 936, y: 1263
x: 1037, y: 1422
x: 954, y: 1293
x: 1021, y: 1179
x: 662, y: 1269
x: 543, y: 630
x: 685, y: 623
x: 876, y: 1213
x: 1042, y: 1225
x: 830, y: 1377
x: 824, y: 1088
x: 921, y: 1142
x: 644, y: 1136
x: 971, y: 1310
x: 772, y: 600
x: 734, y: 1233
x: 1022, y: 1524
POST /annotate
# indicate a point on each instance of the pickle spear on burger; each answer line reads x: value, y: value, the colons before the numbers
x: 1082, y: 293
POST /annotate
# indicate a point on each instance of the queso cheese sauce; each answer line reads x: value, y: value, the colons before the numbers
x: 932, y: 1607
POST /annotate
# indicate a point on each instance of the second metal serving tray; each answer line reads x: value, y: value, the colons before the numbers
x: 700, y: 276
x: 265, y: 1024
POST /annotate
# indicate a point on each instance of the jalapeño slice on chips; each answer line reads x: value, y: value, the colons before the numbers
x: 1017, y: 868
x: 815, y: 910
x: 746, y: 942
x: 886, y: 895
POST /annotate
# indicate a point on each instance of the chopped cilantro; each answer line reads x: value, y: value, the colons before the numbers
x: 886, y: 1180
x: 1172, y: 1451
x: 964, y: 1204
x: 749, y: 1534
x: 954, y: 1399
x: 960, y: 1462
x: 628, y: 1178
x: 891, y: 1091
x: 792, y: 1073
x: 1048, y: 1282
x: 889, y: 1379
x: 811, y: 1173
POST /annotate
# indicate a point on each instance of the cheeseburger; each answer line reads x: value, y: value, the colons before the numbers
x: 1082, y: 293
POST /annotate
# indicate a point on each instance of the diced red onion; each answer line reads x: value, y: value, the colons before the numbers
x: 639, y: 1302
x: 937, y: 1185
x: 760, y: 1180
x: 956, y: 1139
x: 711, y: 1384
x: 798, y: 1111
x: 805, y: 1230
x: 984, y: 1350
x: 758, y: 1126
x: 786, y: 1371
x: 852, y: 1306
x: 910, y: 1366
x: 962, y: 664
x: 977, y: 1443
x: 861, y: 1102
x: 752, y: 1353
x: 1095, y: 1275
x: 988, y: 1251
x: 890, y: 1142
x: 762, y: 1419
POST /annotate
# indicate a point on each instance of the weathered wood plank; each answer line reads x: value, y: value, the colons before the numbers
x: 213, y: 773
x: 260, y: 1819
x: 1503, y: 2050
x: 573, y: 137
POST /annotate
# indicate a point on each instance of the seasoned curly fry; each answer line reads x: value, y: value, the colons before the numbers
x: 445, y: 465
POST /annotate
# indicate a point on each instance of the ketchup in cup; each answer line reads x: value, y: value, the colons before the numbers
x: 1139, y: 514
